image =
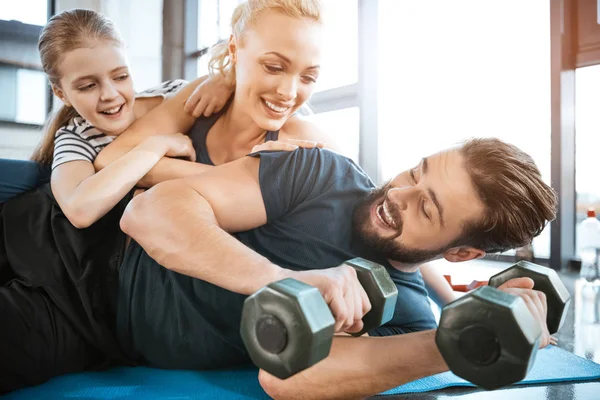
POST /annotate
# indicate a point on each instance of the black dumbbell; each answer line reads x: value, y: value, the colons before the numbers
x: 287, y: 326
x: 489, y: 337
x: 546, y: 280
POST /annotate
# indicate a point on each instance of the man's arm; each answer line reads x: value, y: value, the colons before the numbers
x: 183, y: 225
x: 360, y: 367
x: 365, y: 366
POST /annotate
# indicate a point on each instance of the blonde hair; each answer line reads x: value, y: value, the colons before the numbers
x: 64, y: 32
x: 244, y: 15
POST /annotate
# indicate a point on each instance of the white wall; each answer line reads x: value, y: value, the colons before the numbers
x: 140, y: 22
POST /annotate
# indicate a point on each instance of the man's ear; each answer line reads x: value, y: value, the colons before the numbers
x: 232, y: 47
x: 459, y: 254
x: 61, y: 95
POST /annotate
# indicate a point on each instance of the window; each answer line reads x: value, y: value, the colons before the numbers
x: 214, y: 25
x: 587, y: 140
x: 454, y: 70
x: 339, y: 66
x: 342, y: 126
x: 22, y: 82
x: 32, y: 12
x: 23, y: 95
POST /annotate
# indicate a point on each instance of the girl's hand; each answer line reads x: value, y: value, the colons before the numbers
x: 208, y: 98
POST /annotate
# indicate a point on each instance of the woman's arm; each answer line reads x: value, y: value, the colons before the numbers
x: 85, y: 196
x: 439, y: 289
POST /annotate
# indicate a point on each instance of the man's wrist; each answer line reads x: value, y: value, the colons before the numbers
x: 276, y: 274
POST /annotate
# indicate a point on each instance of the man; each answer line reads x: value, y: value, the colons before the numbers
x: 305, y: 212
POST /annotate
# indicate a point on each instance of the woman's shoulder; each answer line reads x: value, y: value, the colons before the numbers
x: 166, y: 89
x: 299, y: 128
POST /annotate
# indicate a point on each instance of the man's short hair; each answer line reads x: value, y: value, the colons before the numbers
x: 518, y: 204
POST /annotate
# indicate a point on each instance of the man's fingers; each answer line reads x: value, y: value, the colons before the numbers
x: 357, y: 327
x: 521, y: 283
x: 337, y: 305
x: 366, y: 303
x: 350, y: 306
x: 358, y: 303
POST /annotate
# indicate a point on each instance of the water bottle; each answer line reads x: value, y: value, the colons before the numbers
x: 588, y: 244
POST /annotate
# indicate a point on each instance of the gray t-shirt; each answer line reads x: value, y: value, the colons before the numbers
x: 173, y: 321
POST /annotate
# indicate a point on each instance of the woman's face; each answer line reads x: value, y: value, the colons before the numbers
x: 277, y: 65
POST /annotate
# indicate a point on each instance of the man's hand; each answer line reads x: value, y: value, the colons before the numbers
x: 535, y: 301
x: 342, y: 292
x: 209, y: 97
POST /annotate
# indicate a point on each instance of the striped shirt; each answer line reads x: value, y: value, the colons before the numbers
x: 79, y: 140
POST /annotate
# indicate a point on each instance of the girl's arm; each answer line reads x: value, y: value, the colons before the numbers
x: 168, y: 117
x: 85, y: 196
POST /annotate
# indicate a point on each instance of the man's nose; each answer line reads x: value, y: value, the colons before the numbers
x: 401, y: 196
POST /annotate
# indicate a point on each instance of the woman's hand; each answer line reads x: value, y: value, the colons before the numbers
x: 208, y: 98
x: 287, y: 145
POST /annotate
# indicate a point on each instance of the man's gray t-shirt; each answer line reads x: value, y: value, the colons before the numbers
x: 169, y: 320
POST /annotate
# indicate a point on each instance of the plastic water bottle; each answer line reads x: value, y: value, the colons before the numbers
x: 588, y: 244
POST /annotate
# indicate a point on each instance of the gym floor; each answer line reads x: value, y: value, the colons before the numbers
x: 580, y: 335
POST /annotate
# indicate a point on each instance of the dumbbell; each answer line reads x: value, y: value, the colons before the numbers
x: 287, y: 326
x: 489, y: 337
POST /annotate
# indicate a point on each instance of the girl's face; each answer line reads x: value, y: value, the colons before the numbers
x: 277, y: 65
x: 95, y: 81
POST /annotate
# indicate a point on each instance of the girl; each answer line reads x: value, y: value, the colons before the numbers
x: 84, y: 58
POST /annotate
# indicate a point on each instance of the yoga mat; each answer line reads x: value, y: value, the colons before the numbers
x: 552, y: 365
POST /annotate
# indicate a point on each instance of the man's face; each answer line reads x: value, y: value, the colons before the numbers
x: 419, y: 213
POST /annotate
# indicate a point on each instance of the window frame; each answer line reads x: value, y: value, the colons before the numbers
x: 27, y: 33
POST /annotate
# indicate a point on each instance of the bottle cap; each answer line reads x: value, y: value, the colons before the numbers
x: 591, y: 212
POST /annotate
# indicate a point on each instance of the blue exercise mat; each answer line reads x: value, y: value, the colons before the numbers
x: 552, y: 365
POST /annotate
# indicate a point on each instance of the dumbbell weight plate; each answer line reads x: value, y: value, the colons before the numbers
x: 488, y: 337
x: 547, y: 281
x: 287, y: 327
x: 380, y: 288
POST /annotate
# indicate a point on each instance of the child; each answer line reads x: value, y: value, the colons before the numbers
x: 84, y: 58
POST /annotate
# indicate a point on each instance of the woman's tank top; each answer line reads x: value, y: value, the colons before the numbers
x: 199, y: 132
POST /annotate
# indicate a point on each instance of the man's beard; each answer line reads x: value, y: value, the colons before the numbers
x: 365, y: 233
